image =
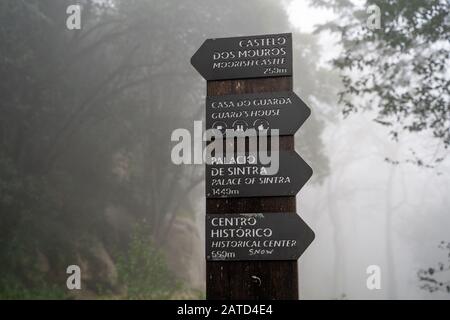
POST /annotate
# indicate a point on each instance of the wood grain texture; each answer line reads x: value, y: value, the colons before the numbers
x: 253, y: 280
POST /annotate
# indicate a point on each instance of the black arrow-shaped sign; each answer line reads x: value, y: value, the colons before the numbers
x: 284, y: 173
x: 263, y: 112
x: 259, y: 236
x: 245, y: 57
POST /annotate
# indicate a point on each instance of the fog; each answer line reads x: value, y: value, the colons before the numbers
x: 363, y: 193
x: 87, y: 177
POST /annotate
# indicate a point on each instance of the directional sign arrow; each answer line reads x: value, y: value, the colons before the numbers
x: 284, y: 111
x: 245, y: 57
x: 258, y: 236
x: 246, y: 176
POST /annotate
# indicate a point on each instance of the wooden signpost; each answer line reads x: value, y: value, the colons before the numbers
x: 248, y: 179
x: 256, y: 236
x: 245, y: 57
x: 284, y: 111
x: 250, y: 87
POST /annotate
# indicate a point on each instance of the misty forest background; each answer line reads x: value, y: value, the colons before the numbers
x: 86, y: 118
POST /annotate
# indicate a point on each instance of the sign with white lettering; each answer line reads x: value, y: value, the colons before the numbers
x: 256, y: 236
x: 263, y: 112
x: 283, y: 174
x: 245, y: 57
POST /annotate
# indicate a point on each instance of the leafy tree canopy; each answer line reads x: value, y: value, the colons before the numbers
x: 399, y: 70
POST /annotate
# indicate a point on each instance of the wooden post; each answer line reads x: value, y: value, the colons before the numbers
x: 254, y: 280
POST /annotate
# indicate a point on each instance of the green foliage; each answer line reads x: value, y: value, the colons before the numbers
x: 431, y: 278
x: 399, y: 70
x: 86, y: 118
x: 21, y: 277
x: 143, y: 270
x: 12, y: 288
